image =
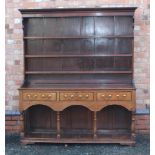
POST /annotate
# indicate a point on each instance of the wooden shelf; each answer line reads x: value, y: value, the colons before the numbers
x: 77, y: 86
x: 124, y: 140
x: 84, y: 55
x: 80, y: 37
x: 77, y: 72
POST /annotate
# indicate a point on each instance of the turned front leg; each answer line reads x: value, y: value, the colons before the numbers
x: 58, y: 124
x: 133, y: 135
x: 22, y: 124
x: 94, y: 124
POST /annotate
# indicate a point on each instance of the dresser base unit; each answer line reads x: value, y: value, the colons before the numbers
x: 78, y: 76
x: 78, y: 116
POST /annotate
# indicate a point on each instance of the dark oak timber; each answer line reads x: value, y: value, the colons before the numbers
x: 78, y: 76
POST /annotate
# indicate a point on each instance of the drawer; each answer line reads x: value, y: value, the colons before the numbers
x: 39, y: 96
x: 114, y: 96
x: 125, y: 96
x: 76, y: 96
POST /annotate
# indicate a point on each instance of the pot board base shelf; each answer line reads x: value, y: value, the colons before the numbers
x: 112, y: 140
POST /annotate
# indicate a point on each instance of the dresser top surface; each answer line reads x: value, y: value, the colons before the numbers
x: 79, y: 86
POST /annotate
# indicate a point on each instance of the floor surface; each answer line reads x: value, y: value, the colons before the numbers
x: 13, y: 147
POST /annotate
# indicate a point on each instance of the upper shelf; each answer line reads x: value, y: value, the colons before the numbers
x: 77, y: 55
x: 78, y: 72
x: 81, y: 37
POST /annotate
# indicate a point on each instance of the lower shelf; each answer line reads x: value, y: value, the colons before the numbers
x: 75, y: 133
x: 123, y: 140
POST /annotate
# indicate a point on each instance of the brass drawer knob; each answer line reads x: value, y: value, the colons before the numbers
x: 49, y: 95
x: 124, y: 95
x: 28, y: 95
x: 65, y: 95
x: 117, y: 95
x: 72, y: 96
x: 110, y: 95
x: 43, y: 95
x: 80, y: 96
x: 87, y: 96
x: 102, y: 95
x: 35, y: 96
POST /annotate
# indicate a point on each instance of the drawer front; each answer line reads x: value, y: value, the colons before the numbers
x: 126, y: 96
x: 114, y: 96
x: 76, y: 96
x: 39, y: 96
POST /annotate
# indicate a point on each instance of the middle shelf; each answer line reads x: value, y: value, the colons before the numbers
x: 77, y: 72
x: 76, y: 55
x: 68, y: 64
x: 78, y: 37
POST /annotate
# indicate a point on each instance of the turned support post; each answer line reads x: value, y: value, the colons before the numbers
x: 22, y: 124
x: 94, y: 124
x: 58, y: 124
x: 133, y: 135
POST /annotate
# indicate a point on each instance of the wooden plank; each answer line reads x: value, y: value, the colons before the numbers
x: 108, y: 9
x: 79, y: 37
x: 78, y: 72
x: 119, y: 140
x: 81, y: 55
